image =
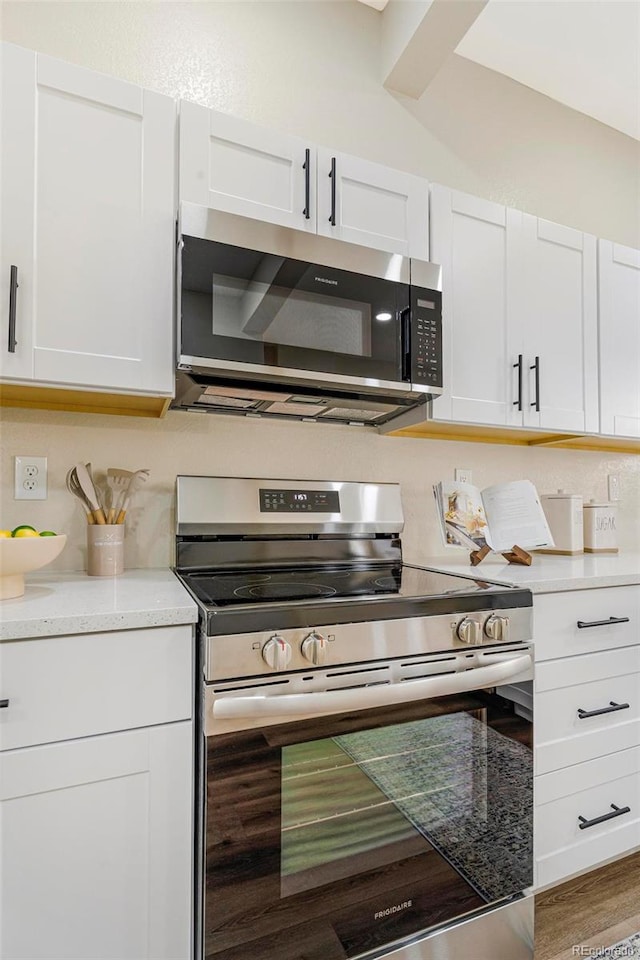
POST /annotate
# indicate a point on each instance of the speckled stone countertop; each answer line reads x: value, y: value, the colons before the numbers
x: 62, y: 603
x: 547, y: 573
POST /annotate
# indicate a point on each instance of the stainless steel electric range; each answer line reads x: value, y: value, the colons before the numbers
x: 365, y: 788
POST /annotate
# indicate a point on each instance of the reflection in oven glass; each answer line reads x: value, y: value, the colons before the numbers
x: 362, y: 800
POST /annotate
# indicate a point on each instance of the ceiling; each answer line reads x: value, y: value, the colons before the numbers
x: 582, y: 53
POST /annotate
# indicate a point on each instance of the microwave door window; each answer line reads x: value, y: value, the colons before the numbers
x: 260, y: 308
x: 264, y: 312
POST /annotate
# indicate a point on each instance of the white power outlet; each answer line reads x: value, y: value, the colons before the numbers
x: 30, y: 478
x: 613, y: 482
x: 462, y: 475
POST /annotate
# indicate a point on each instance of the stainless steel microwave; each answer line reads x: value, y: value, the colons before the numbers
x: 278, y: 322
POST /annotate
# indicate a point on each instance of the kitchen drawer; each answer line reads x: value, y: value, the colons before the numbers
x: 586, y: 790
x: 588, y: 683
x: 61, y: 688
x: 556, y: 617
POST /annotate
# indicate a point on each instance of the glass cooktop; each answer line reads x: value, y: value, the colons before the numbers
x: 327, y: 583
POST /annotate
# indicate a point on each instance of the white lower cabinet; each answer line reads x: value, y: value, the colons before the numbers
x: 96, y: 796
x: 586, y: 814
x: 587, y: 730
x: 96, y: 848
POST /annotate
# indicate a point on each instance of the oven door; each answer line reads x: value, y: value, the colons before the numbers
x: 371, y: 830
x: 258, y: 297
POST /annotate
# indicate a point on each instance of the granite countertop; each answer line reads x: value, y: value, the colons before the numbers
x: 547, y: 573
x: 64, y: 603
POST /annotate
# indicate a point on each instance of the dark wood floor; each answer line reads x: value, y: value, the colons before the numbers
x: 595, y: 910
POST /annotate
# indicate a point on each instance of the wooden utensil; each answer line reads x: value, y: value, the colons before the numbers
x: 139, y: 477
x: 117, y: 481
x: 78, y: 494
x: 88, y: 489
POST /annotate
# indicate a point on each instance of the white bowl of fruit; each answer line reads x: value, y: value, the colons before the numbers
x: 22, y: 550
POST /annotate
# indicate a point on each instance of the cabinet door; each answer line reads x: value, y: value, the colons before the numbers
x: 97, y: 848
x: 372, y: 205
x: 619, y: 292
x: 90, y: 227
x: 476, y: 242
x: 559, y: 309
x: 230, y: 164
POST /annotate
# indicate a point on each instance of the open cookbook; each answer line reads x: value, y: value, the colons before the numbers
x: 498, y: 517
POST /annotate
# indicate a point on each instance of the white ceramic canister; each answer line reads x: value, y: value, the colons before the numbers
x: 600, y: 527
x: 564, y: 515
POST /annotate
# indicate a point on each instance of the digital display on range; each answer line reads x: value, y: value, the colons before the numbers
x: 297, y: 501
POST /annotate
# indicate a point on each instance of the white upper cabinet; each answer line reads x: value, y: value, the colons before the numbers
x: 88, y: 209
x: 619, y: 291
x: 519, y: 317
x: 372, y: 205
x: 558, y: 309
x: 476, y: 242
x: 233, y: 165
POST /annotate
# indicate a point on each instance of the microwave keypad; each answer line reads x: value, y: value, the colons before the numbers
x: 426, y: 365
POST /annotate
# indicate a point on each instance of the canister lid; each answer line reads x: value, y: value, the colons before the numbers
x: 562, y: 495
x: 591, y: 504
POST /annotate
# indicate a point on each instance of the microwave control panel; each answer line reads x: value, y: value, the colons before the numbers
x: 426, y: 337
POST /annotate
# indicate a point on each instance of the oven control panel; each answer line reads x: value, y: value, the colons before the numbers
x: 350, y: 645
x: 297, y: 501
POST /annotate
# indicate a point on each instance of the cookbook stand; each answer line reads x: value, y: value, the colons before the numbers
x: 515, y: 555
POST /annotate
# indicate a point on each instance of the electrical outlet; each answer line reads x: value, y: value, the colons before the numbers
x: 30, y: 478
x: 613, y: 483
x: 462, y: 475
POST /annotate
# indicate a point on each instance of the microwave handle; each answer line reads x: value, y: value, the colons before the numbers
x: 405, y: 339
x: 365, y: 698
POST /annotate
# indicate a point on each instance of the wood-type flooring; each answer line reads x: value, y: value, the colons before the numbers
x: 592, y: 911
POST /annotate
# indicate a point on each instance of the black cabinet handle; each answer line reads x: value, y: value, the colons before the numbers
x: 518, y: 403
x: 536, y: 366
x: 613, y: 706
x: 332, y: 174
x: 4, y: 703
x: 617, y: 812
x: 583, y: 624
x: 306, y: 166
x: 13, y: 304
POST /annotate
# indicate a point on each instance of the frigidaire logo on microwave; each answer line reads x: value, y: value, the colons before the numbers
x: 334, y: 283
x: 396, y: 908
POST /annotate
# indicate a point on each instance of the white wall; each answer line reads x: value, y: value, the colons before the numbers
x: 228, y: 446
x: 312, y: 68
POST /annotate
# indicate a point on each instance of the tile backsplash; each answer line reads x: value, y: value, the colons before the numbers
x: 230, y: 446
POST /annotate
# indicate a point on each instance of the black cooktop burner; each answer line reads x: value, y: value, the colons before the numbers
x: 283, y: 591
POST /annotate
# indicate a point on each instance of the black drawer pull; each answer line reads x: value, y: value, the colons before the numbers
x: 518, y: 366
x: 583, y: 624
x: 13, y: 304
x: 617, y: 812
x: 4, y: 703
x: 306, y: 166
x: 613, y: 706
x: 332, y: 174
x: 536, y: 366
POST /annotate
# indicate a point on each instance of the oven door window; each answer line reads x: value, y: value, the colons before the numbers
x: 259, y: 308
x: 388, y: 825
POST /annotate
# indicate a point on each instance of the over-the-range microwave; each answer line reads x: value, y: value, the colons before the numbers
x: 274, y: 321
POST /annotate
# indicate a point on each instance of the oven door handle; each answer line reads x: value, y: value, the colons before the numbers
x: 365, y: 698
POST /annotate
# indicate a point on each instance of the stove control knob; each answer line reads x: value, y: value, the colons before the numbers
x: 469, y: 631
x: 277, y: 652
x: 497, y: 628
x: 314, y: 648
